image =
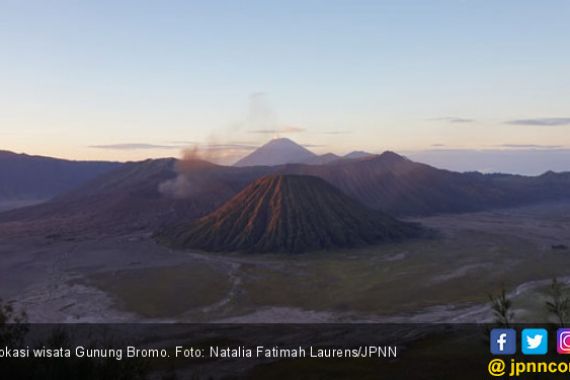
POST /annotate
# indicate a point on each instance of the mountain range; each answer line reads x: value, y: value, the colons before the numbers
x: 25, y: 177
x: 399, y: 186
x: 285, y: 151
x: 135, y: 197
x: 150, y: 194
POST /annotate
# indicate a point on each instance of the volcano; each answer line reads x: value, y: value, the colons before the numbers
x: 288, y: 213
x: 277, y: 152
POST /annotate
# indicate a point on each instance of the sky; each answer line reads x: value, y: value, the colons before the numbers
x: 128, y: 80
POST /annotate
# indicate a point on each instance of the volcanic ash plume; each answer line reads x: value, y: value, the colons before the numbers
x: 221, y: 148
x: 186, y: 184
x: 181, y: 187
x: 177, y: 188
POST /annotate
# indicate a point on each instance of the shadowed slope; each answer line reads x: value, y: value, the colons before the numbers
x: 35, y: 177
x: 399, y: 186
x: 130, y: 199
x: 288, y: 213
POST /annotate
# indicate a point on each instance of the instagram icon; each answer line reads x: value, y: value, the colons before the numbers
x: 563, y: 341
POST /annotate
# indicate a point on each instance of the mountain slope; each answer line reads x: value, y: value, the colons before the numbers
x: 135, y: 197
x: 140, y: 196
x: 399, y: 186
x: 277, y: 152
x: 25, y: 177
x: 288, y: 214
x: 322, y: 160
x: 357, y: 154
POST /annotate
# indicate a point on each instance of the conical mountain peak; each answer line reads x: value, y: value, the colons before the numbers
x: 277, y: 152
x: 288, y: 213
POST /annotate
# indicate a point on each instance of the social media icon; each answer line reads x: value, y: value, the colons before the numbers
x: 503, y: 341
x: 563, y: 341
x: 534, y: 341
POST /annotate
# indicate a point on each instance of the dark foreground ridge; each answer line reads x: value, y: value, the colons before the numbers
x: 288, y: 213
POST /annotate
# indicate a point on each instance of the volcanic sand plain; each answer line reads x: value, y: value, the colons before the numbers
x: 101, y: 278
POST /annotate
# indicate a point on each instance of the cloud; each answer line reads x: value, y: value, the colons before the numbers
x: 313, y: 145
x: 438, y: 145
x: 228, y: 147
x: 176, y: 145
x: 454, y: 120
x: 530, y: 146
x: 542, y: 122
x: 134, y: 146
x: 337, y: 132
x: 285, y: 129
x: 181, y: 142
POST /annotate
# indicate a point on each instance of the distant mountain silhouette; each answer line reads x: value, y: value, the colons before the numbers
x: 277, y: 152
x: 130, y: 198
x: 358, y: 154
x: 35, y: 177
x: 401, y: 187
x: 322, y: 159
x: 134, y: 196
x: 288, y: 214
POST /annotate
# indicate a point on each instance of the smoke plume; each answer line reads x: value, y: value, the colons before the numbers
x: 222, y: 147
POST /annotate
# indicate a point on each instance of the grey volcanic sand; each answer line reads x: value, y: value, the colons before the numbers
x: 130, y: 278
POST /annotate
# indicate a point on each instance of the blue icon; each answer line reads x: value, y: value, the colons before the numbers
x: 503, y: 341
x: 534, y: 341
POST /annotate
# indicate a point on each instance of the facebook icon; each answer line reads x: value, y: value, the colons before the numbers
x: 503, y: 341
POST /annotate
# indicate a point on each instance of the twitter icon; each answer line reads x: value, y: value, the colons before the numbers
x: 534, y: 341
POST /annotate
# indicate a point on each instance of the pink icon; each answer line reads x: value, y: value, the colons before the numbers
x: 563, y: 341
